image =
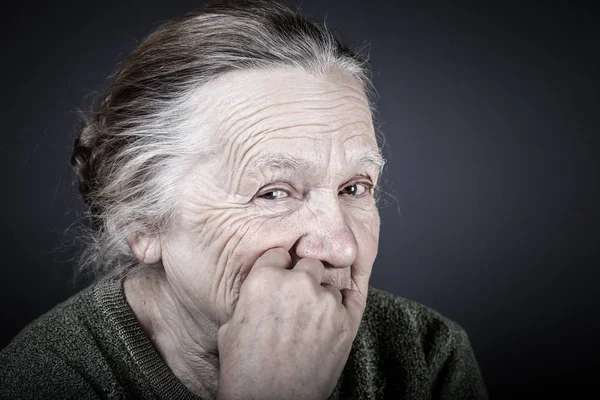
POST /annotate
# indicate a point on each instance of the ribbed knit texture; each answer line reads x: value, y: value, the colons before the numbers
x: 92, y: 347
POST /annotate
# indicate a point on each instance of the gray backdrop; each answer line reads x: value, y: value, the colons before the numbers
x: 491, y: 120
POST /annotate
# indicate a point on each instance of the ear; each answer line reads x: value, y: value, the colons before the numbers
x: 146, y: 248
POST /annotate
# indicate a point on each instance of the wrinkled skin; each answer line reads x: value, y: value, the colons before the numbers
x: 291, y: 191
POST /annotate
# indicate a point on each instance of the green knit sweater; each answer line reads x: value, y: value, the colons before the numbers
x: 92, y: 346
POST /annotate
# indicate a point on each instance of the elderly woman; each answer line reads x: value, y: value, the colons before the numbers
x: 230, y: 172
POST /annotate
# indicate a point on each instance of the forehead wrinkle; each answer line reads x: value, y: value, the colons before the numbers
x: 267, y: 135
x: 235, y: 122
x: 343, y: 100
x: 238, y: 99
x: 234, y: 98
x: 293, y: 127
x: 342, y: 125
x: 328, y: 108
x: 233, y: 146
x: 258, y: 132
x: 244, y: 155
x: 359, y: 97
x: 235, y: 126
x: 230, y: 106
x: 223, y: 93
x: 336, y: 129
x: 354, y: 110
x: 239, y: 163
x: 230, y: 140
x: 360, y: 93
x: 358, y: 135
x: 236, y: 157
x: 255, y: 139
x: 333, y: 88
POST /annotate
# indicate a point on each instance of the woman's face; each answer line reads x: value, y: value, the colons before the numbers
x: 297, y: 163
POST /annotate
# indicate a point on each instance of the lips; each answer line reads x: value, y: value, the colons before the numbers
x: 340, y: 279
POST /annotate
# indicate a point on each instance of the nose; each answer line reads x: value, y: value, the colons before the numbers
x: 327, y: 237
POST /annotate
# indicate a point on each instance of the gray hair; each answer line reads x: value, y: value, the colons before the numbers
x: 136, y: 143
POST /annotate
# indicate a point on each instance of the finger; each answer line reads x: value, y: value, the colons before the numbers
x: 222, y: 331
x: 315, y: 268
x: 360, y: 278
x: 334, y: 290
x: 277, y: 257
x: 355, y: 302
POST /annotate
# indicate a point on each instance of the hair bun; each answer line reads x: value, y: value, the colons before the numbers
x: 82, y: 159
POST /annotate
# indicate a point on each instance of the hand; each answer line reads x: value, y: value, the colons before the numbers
x: 289, y: 336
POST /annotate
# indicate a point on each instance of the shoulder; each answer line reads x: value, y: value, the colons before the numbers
x: 404, y: 326
x: 53, y: 354
x: 398, y: 313
x: 417, y: 350
x: 58, y: 329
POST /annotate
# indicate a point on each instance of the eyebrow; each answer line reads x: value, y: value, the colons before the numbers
x: 373, y: 158
x: 288, y: 162
x: 280, y: 161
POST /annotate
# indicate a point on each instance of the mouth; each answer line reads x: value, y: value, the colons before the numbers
x: 341, y: 279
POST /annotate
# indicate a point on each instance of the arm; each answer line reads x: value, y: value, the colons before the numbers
x: 40, y: 375
x: 458, y: 376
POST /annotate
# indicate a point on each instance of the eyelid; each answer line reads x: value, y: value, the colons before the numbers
x: 275, y: 190
x: 368, y: 189
x: 360, y: 180
x: 369, y: 185
x: 280, y: 188
x: 289, y: 189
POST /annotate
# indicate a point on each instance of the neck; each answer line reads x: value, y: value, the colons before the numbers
x: 187, y: 342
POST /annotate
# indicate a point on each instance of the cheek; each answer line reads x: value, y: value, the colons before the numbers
x: 259, y: 235
x: 365, y: 225
x: 231, y: 240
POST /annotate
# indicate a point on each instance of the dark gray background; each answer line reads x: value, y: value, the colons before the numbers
x: 491, y: 120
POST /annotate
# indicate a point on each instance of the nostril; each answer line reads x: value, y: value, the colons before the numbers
x: 335, y: 248
x: 294, y: 255
x: 295, y: 259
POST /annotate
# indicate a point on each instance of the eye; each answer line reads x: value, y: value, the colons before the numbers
x: 274, y: 194
x: 356, y: 189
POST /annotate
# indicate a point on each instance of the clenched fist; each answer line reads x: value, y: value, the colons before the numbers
x: 290, y: 335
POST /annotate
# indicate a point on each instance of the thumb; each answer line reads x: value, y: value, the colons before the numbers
x: 277, y: 257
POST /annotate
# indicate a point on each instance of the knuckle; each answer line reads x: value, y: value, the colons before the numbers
x: 303, y: 277
x: 330, y: 302
x: 334, y: 296
x: 302, y: 285
x: 253, y: 284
